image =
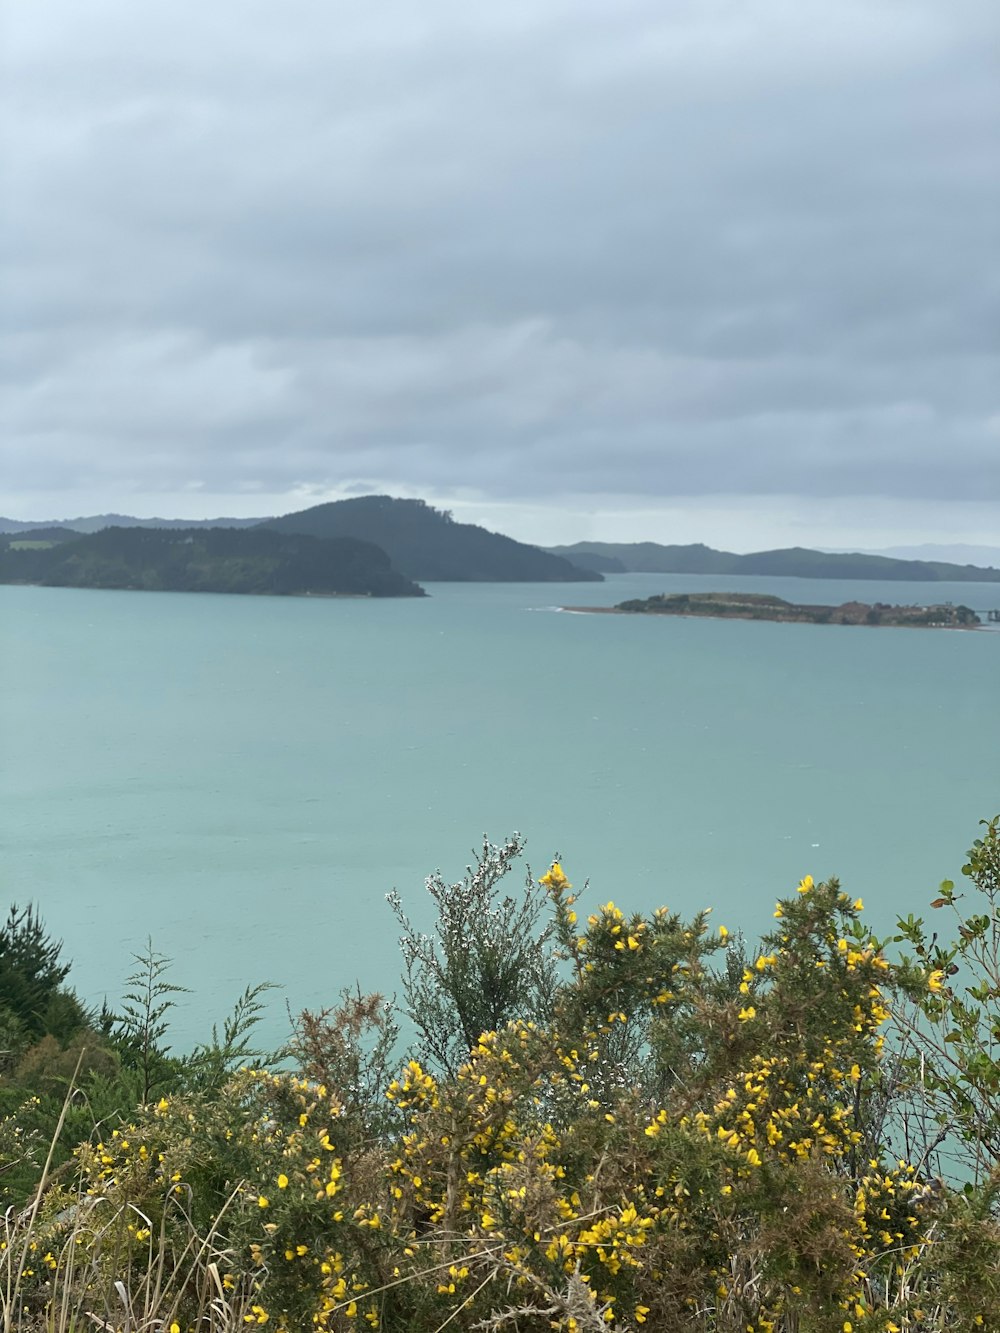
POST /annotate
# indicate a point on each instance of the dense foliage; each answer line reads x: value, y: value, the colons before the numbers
x: 609, y: 1122
x: 427, y: 544
x: 231, y: 560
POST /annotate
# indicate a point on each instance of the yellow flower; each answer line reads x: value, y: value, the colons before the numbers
x: 806, y: 884
x: 935, y: 981
x: 554, y: 878
x: 282, y: 1181
x: 859, y: 905
x: 263, y: 1201
x: 747, y: 1013
x: 723, y: 933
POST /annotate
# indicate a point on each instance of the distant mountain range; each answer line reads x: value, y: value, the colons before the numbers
x: 95, y: 522
x: 957, y: 554
x: 425, y: 544
x: 794, y: 562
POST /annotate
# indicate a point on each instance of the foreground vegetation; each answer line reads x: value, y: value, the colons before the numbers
x: 604, y: 1121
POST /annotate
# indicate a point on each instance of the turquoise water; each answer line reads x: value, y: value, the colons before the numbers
x: 243, y: 779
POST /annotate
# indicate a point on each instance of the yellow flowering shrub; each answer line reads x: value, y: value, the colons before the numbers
x: 684, y: 1138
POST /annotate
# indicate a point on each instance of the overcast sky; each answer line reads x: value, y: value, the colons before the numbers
x: 722, y: 270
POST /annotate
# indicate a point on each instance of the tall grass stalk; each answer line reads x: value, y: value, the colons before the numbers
x: 95, y: 1280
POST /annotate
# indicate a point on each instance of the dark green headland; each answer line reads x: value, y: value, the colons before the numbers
x: 229, y: 560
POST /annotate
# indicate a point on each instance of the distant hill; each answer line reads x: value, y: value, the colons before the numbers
x: 598, y: 564
x: 95, y: 522
x: 231, y: 560
x: 39, y: 536
x: 794, y: 562
x: 956, y: 554
x: 427, y: 544
x: 650, y: 557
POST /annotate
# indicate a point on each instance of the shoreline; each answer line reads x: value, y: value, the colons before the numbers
x: 777, y: 620
x: 221, y: 592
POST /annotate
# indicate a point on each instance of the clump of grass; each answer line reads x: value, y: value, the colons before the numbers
x: 74, y: 1261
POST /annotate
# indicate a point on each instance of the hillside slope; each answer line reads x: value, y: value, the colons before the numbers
x: 428, y: 545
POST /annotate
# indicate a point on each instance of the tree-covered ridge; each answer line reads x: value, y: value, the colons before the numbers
x: 761, y: 606
x: 95, y: 522
x: 663, y: 1128
x: 37, y: 536
x: 428, y: 545
x: 228, y: 560
x: 795, y: 562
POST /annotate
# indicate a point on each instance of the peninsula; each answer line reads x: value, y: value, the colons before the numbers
x: 230, y: 560
x: 759, y: 606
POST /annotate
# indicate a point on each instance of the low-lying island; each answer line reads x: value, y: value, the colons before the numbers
x: 761, y: 606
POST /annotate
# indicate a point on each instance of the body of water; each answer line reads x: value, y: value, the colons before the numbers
x: 243, y: 779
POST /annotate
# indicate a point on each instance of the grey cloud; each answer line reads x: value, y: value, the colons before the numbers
x: 639, y: 248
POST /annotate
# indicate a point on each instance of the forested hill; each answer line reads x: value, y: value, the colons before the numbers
x: 207, y: 560
x: 427, y: 544
x: 794, y: 562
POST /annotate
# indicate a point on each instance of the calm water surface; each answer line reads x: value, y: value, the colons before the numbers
x: 243, y: 779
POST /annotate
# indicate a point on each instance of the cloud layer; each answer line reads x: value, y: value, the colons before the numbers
x: 665, y: 250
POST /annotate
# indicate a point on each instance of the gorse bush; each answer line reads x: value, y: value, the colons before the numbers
x: 607, y: 1121
x: 952, y: 1028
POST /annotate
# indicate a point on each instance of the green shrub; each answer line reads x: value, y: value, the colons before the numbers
x: 667, y: 1133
